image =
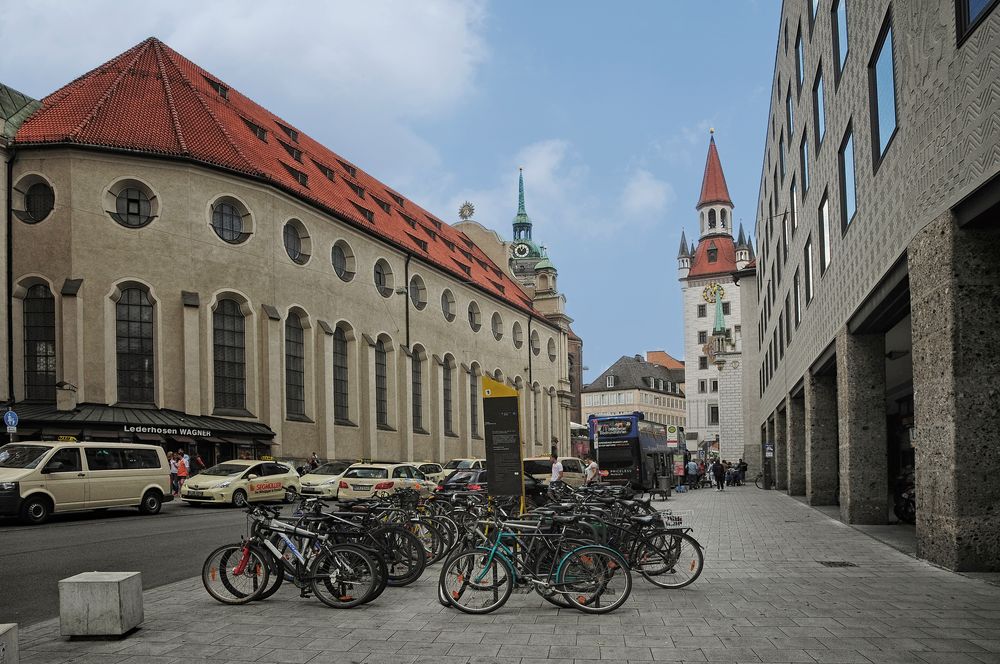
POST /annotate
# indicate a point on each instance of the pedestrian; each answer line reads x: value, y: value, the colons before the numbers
x: 172, y: 458
x: 701, y: 471
x: 593, y: 473
x: 692, y: 473
x: 743, y: 470
x: 557, y: 470
x: 314, y: 461
x: 182, y: 468
x: 197, y: 464
x: 719, y: 472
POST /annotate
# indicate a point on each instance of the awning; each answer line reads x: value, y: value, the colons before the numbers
x: 149, y: 437
x: 61, y: 432
x: 211, y: 439
x: 187, y: 440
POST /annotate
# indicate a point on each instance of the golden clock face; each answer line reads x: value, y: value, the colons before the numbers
x: 520, y: 250
x: 712, y: 291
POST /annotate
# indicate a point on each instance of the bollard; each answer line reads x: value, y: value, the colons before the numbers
x: 8, y: 643
x: 100, y: 603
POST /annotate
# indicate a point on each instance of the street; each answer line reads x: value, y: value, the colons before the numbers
x: 775, y: 589
x: 167, y: 547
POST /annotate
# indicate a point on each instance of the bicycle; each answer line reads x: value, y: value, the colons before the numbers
x: 762, y: 482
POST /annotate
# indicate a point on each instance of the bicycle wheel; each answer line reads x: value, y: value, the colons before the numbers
x: 545, y: 561
x: 403, y: 552
x: 476, y: 582
x: 430, y: 537
x: 672, y: 559
x: 594, y: 579
x: 343, y: 576
x: 759, y: 481
x: 235, y: 573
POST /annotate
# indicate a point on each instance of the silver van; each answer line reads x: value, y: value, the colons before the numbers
x: 39, y: 478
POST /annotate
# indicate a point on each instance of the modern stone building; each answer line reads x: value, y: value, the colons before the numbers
x: 633, y: 384
x: 712, y: 346
x: 191, y: 269
x: 876, y: 297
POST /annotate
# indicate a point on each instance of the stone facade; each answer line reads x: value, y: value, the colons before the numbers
x: 915, y: 192
x: 633, y: 384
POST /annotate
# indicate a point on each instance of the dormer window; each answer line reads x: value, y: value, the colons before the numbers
x: 610, y: 381
x: 218, y: 87
x: 291, y: 133
x: 347, y: 167
x: 713, y: 253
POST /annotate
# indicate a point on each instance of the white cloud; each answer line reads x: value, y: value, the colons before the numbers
x: 354, y: 75
x: 645, y: 196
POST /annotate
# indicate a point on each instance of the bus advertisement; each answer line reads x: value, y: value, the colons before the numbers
x: 631, y: 450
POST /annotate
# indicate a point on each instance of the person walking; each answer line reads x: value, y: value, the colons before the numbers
x: 313, y: 461
x: 719, y: 472
x: 743, y: 467
x: 182, y: 468
x: 592, y: 472
x: 692, y: 473
x: 172, y: 459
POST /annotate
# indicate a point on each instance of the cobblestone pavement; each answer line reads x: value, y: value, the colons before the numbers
x: 764, y: 597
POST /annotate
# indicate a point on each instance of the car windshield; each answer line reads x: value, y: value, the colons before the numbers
x: 537, y: 467
x: 367, y: 473
x: 459, y: 463
x: 462, y: 477
x: 330, y: 469
x: 22, y: 456
x: 225, y: 469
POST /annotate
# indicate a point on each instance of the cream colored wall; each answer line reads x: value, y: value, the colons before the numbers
x: 633, y: 401
x: 179, y: 251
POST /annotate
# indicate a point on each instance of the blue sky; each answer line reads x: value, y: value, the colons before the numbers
x: 607, y: 107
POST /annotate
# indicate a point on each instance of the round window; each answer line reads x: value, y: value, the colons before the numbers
x: 38, y: 202
x: 342, y: 259
x: 552, y: 349
x: 133, y: 208
x: 496, y: 323
x: 293, y: 243
x: 448, y: 305
x: 517, y: 335
x: 418, y: 293
x: 383, y: 278
x: 227, y: 222
x: 536, y: 346
x: 475, y: 317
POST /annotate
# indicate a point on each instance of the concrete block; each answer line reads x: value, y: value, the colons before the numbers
x: 100, y: 603
x: 8, y: 643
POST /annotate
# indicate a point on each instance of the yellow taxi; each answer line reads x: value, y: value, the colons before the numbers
x: 324, y: 481
x: 364, y: 480
x: 239, y: 482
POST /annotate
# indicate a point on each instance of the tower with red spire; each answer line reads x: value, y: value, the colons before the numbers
x: 712, y: 325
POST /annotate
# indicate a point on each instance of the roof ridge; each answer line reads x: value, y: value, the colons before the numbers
x: 229, y: 139
x: 107, y: 94
x: 178, y: 132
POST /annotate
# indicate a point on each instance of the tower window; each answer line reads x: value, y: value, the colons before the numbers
x: 702, y: 311
x: 711, y: 218
x: 713, y: 255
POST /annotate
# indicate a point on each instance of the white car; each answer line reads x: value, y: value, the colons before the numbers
x: 240, y: 482
x: 324, y: 481
x: 433, y: 471
x: 364, y: 480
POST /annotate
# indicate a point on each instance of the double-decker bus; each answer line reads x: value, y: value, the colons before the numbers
x: 629, y: 449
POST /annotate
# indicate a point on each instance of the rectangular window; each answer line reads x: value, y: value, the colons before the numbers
x: 882, y: 91
x: 824, y: 234
x: 788, y: 321
x: 702, y: 386
x: 703, y: 337
x: 848, y: 195
x: 715, y: 386
x: 840, y: 47
x: 474, y: 397
x: 969, y: 14
x: 781, y: 336
x: 804, y: 164
x: 800, y: 59
x: 417, y: 392
x: 725, y: 308
x: 446, y: 399
x: 784, y: 237
x: 790, y: 112
x: 777, y: 265
x: 819, y: 111
x: 713, y: 414
x: 702, y: 311
x: 781, y: 157
x: 793, y: 206
x: 381, y: 384
x: 808, y: 263
x: 610, y: 382
x: 702, y: 362
x: 340, y: 374
x: 797, y: 294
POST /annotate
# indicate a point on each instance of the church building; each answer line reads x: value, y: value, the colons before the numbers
x: 712, y: 322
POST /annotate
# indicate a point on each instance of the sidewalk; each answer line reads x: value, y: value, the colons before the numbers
x: 765, y: 596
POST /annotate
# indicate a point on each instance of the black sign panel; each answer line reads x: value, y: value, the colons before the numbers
x: 503, y: 440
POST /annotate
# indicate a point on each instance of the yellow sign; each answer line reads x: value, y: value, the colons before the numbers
x: 266, y: 457
x: 67, y: 439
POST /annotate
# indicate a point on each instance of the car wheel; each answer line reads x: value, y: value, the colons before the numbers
x: 291, y: 495
x: 151, y: 503
x: 240, y: 498
x: 36, y: 510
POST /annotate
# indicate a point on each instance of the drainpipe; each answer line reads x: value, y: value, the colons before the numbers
x: 530, y: 353
x: 10, y: 275
x: 406, y: 295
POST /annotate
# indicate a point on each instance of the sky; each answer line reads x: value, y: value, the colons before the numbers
x: 606, y: 106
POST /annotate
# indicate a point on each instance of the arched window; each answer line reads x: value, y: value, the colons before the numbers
x: 711, y: 218
x: 418, y: 392
x: 474, y: 402
x: 381, y: 385
x: 722, y: 214
x: 538, y: 414
x: 341, y: 385
x: 446, y: 398
x: 229, y: 353
x: 134, y: 346
x: 39, y: 344
x: 295, y: 366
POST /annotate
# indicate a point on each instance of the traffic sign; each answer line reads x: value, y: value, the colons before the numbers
x: 11, y: 419
x: 769, y: 450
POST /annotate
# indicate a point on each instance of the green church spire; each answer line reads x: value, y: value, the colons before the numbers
x: 522, y: 223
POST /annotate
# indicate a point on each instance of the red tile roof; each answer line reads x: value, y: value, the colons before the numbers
x: 152, y: 100
x: 725, y: 259
x: 664, y: 359
x: 713, y: 184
